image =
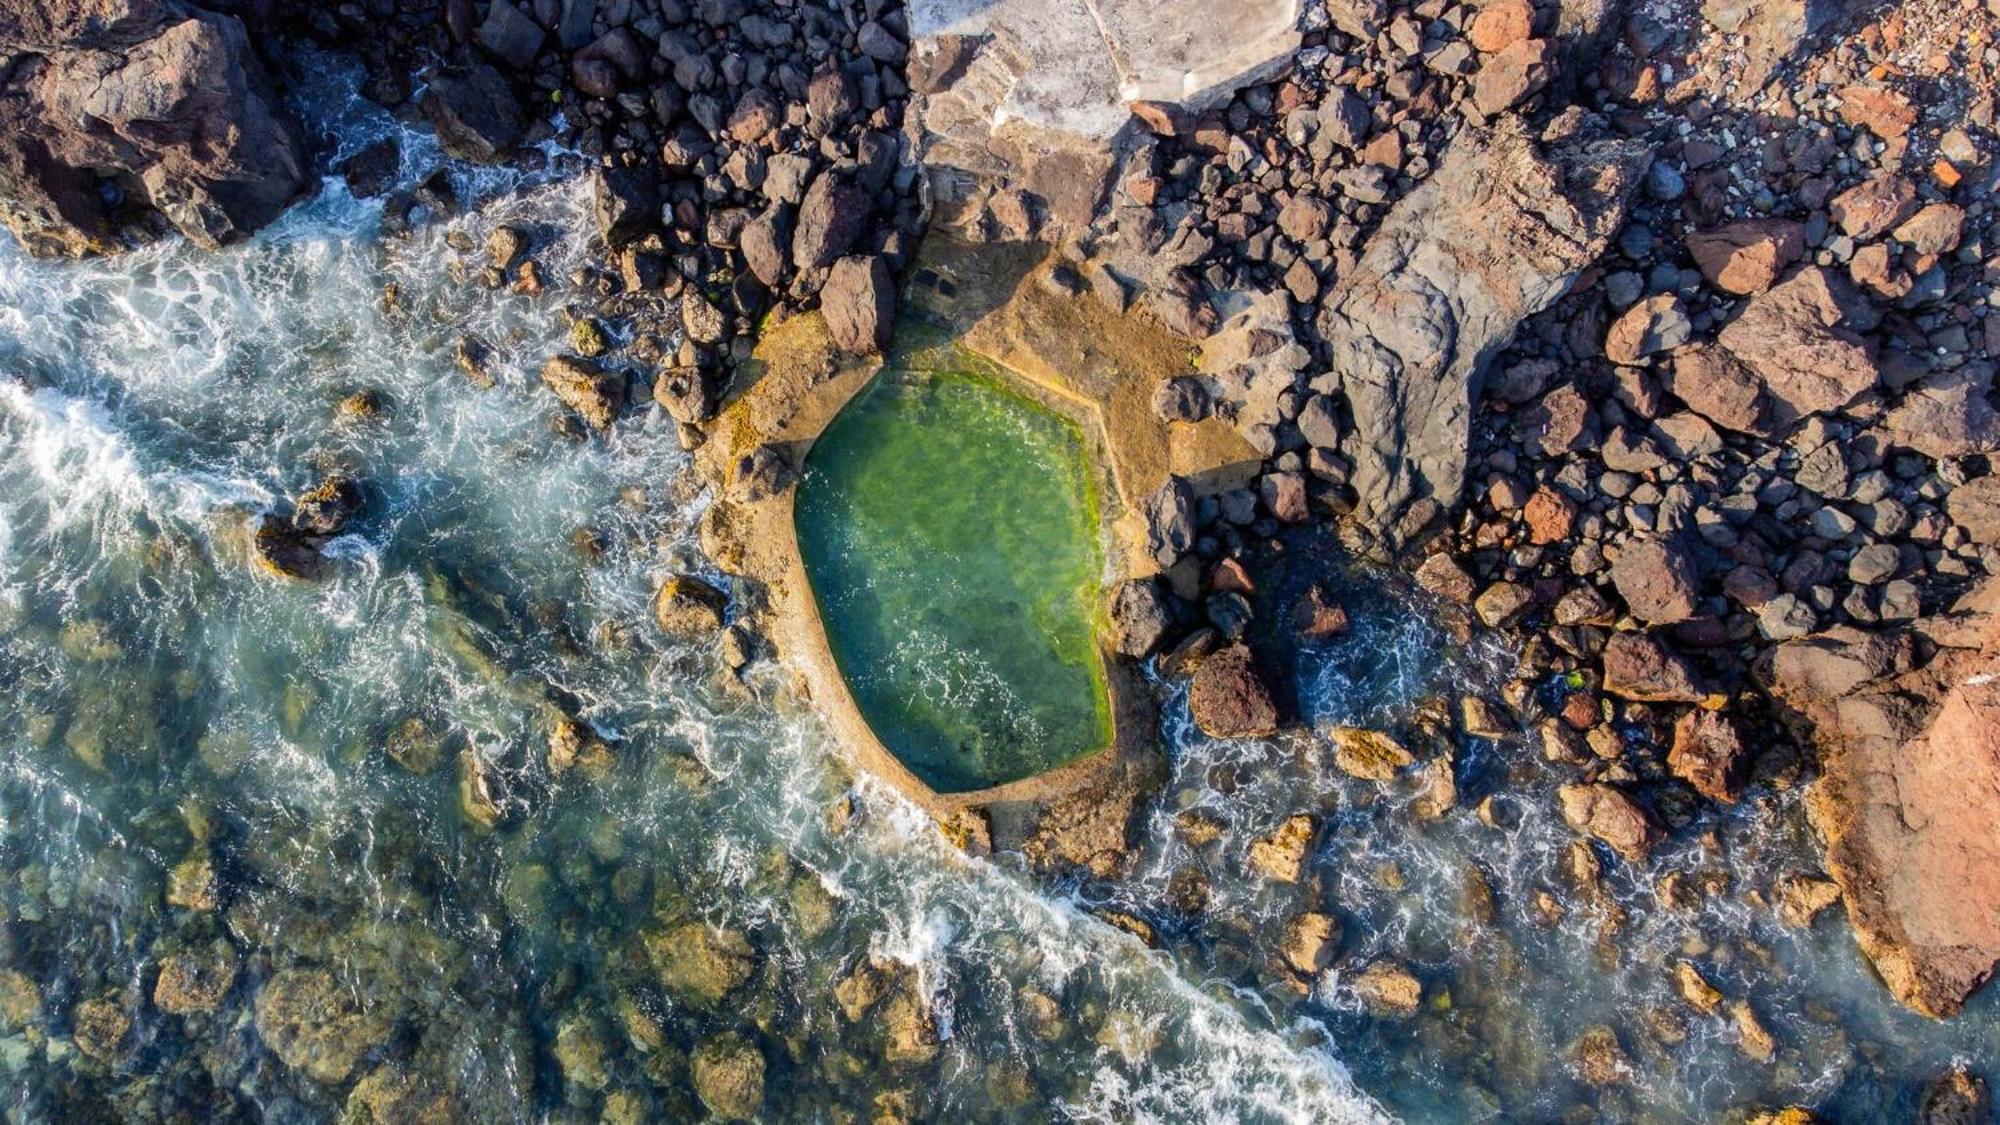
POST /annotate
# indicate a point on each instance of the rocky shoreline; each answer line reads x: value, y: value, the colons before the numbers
x: 1659, y: 340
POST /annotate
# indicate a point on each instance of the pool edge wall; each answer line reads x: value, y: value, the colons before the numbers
x: 796, y: 384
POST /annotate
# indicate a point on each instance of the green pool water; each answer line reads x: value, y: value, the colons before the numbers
x: 949, y: 530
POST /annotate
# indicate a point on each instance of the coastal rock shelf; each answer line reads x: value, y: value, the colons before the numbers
x: 949, y: 530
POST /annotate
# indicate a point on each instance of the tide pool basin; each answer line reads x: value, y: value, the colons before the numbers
x: 948, y: 528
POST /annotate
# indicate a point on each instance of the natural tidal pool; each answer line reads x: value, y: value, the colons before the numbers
x: 949, y: 529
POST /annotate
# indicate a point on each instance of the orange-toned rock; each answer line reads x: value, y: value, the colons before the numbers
x: 1550, y: 516
x: 1501, y: 24
x: 1747, y: 257
x: 1884, y: 113
x: 1909, y: 793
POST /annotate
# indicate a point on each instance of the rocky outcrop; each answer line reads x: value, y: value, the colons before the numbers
x: 1031, y: 94
x: 117, y: 117
x: 1496, y: 235
x: 1909, y: 792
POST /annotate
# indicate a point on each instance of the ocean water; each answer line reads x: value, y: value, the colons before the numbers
x: 238, y: 878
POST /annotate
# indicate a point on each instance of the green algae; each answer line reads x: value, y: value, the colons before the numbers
x: 949, y: 530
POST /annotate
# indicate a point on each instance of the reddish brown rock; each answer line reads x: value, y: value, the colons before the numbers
x: 1885, y: 113
x: 1229, y: 698
x: 1747, y: 257
x: 1656, y: 324
x: 1874, y: 206
x: 1802, y: 340
x: 1637, y: 666
x: 1717, y: 386
x: 169, y: 101
x: 1608, y: 814
x: 1511, y: 75
x: 1707, y: 755
x: 1946, y: 415
x: 859, y: 300
x: 1909, y: 792
x: 1934, y: 229
x: 1319, y: 614
x: 1550, y: 516
x: 1657, y: 579
x: 1501, y: 23
x: 1559, y: 422
x: 1441, y: 575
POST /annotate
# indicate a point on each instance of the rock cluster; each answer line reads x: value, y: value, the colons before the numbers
x: 119, y: 119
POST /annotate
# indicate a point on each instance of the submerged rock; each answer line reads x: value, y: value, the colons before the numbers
x: 195, y: 979
x: 317, y: 1024
x: 729, y: 1076
x: 102, y: 1027
x: 700, y: 963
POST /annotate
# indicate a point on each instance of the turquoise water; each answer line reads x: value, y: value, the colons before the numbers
x: 950, y: 535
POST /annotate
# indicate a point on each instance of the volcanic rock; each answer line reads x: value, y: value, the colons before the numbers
x: 1608, y: 814
x: 475, y: 113
x: 859, y: 300
x: 1658, y: 580
x: 1707, y: 755
x: 1747, y: 256
x: 1368, y: 754
x: 594, y: 393
x: 1495, y: 235
x: 1229, y: 698
x: 1802, y: 340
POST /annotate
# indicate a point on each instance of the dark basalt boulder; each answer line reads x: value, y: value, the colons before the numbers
x: 117, y: 117
x: 475, y: 113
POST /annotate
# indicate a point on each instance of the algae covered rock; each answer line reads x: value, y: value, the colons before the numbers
x: 1368, y: 754
x: 102, y: 1027
x: 195, y: 979
x: 729, y: 1076
x: 687, y: 606
x: 700, y: 963
x: 580, y: 1049
x: 20, y: 1000
x: 318, y: 1024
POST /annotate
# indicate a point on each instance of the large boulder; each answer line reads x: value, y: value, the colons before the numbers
x: 165, y: 102
x: 1804, y: 341
x: 1496, y: 235
x: 1909, y: 792
x: 728, y: 1073
x: 475, y: 113
x: 1658, y: 579
x: 1610, y: 815
x: 859, y: 300
x: 1229, y: 698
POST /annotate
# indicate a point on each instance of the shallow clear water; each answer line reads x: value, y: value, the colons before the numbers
x: 162, y: 702
x: 949, y: 532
